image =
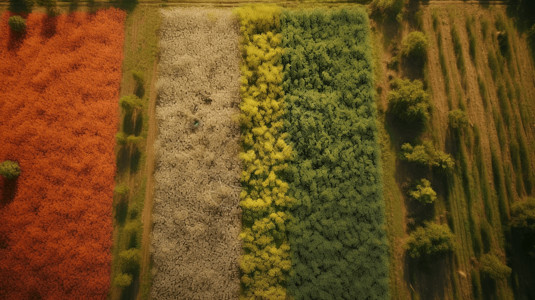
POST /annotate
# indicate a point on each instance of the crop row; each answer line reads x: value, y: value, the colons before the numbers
x: 313, y: 217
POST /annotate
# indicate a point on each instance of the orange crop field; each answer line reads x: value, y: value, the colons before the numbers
x: 59, y: 90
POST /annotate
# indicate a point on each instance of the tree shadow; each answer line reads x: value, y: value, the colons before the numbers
x: 413, y: 68
x: 15, y: 40
x: 128, y: 123
x: 121, y: 210
x: 9, y: 190
x: 139, y: 91
x: 127, y: 5
x: 123, y: 159
x: 426, y: 276
x: 138, y: 125
x: 135, y: 157
x: 401, y: 132
x: 49, y: 26
x: 73, y: 6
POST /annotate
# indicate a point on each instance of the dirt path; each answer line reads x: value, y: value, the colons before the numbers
x: 149, y: 188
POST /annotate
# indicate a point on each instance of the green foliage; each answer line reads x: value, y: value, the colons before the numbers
x: 265, y: 263
x: 427, y: 155
x: 120, y: 138
x: 337, y: 237
x: 122, y: 280
x: 491, y: 266
x: 121, y: 190
x: 430, y: 240
x: 139, y: 79
x: 423, y: 192
x: 129, y: 260
x: 9, y: 169
x: 523, y: 216
x: 458, y: 49
x: 471, y: 37
x: 17, y: 24
x: 131, y: 103
x: 414, y: 47
x: 408, y: 101
x: 457, y: 119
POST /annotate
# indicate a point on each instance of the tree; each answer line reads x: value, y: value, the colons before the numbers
x: 408, y: 101
x: 423, y: 192
x: 427, y: 155
x: 17, y: 24
x: 457, y: 119
x: 414, y: 47
x: 121, y: 190
x: 523, y: 222
x: 9, y: 169
x: 122, y: 280
x: 431, y: 240
x: 129, y: 260
x: 389, y: 8
x: 131, y: 103
x: 492, y: 266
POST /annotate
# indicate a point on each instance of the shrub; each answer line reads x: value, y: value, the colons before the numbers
x: 131, y: 103
x: 491, y: 266
x: 121, y: 137
x: 523, y: 215
x: 431, y: 240
x: 17, y: 24
x: 122, y: 280
x: 427, y: 155
x: 457, y: 119
x: 121, y: 190
x: 414, y: 47
x: 423, y: 192
x: 9, y: 169
x: 129, y: 260
x: 408, y: 101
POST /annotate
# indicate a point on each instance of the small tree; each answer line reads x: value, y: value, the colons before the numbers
x: 523, y: 222
x: 427, y: 155
x: 129, y: 260
x: 430, y: 240
x: 408, y: 101
x: 9, y: 169
x: 457, y: 119
x: 122, y: 280
x: 491, y: 266
x: 17, y: 24
x: 121, y: 191
x: 423, y: 192
x: 414, y: 47
x: 131, y: 103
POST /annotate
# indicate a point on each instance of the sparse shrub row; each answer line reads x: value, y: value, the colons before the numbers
x: 264, y: 199
x: 127, y: 216
x: 337, y: 238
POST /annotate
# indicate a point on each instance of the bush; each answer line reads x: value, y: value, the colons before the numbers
x: 9, y: 169
x: 423, y: 192
x: 122, y: 280
x: 17, y: 24
x: 408, y: 101
x: 414, y: 47
x: 131, y: 103
x: 121, y: 190
x: 492, y: 266
x: 523, y: 215
x: 120, y: 138
x: 129, y: 260
x: 430, y: 240
x: 427, y: 155
x: 457, y: 119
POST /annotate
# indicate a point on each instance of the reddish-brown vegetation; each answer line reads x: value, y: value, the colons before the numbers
x: 58, y: 118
